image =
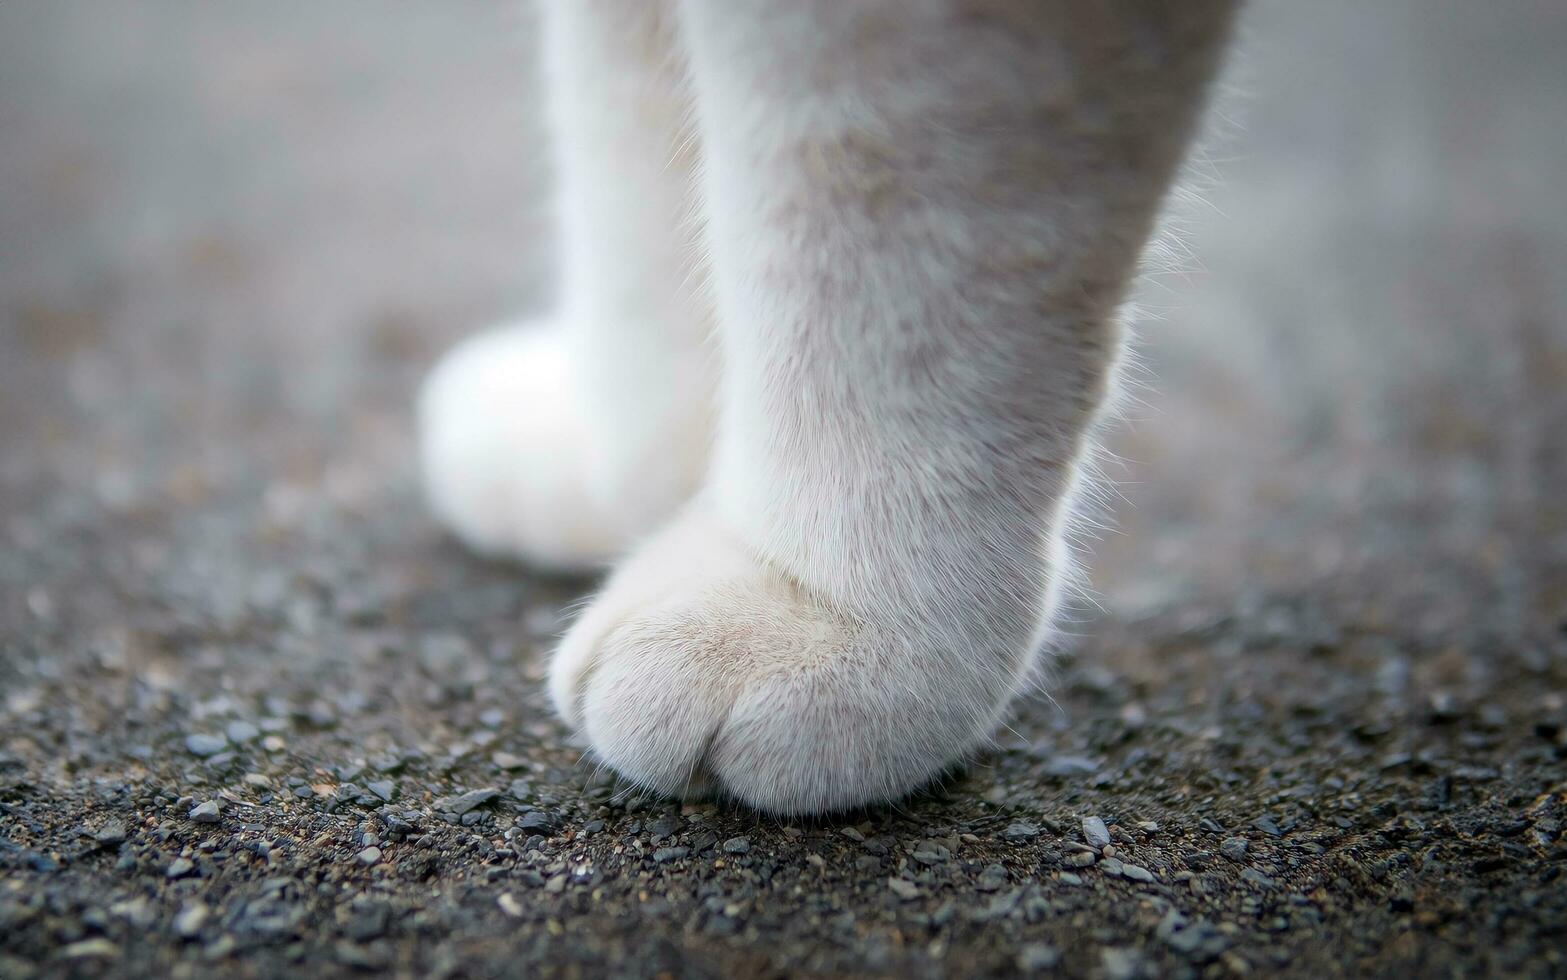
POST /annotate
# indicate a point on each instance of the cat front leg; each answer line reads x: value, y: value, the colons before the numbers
x: 923, y: 216
x: 561, y: 440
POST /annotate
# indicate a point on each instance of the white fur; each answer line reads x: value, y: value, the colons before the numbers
x: 561, y: 442
x: 921, y: 217
x: 503, y: 451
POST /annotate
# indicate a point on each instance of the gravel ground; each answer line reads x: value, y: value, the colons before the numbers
x: 258, y: 717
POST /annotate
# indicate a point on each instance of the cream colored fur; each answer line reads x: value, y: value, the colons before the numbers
x: 919, y: 218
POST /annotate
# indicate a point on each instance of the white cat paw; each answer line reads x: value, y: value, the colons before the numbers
x: 505, y: 444
x: 701, y: 670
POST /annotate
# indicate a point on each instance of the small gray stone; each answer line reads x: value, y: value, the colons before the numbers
x: 208, y: 812
x: 1071, y: 765
x: 1120, y: 964
x: 1233, y: 848
x: 1037, y: 956
x: 993, y: 878
x: 111, y: 833
x: 737, y: 845
x: 97, y: 946
x: 188, y: 923
x: 464, y: 802
x: 1020, y: 832
x: 240, y: 732
x: 383, y: 788
x: 1095, y: 832
x: 664, y: 855
x: 369, y: 957
x: 369, y: 856
x: 903, y: 888
x: 180, y: 867
x: 1196, y: 939
x: 1136, y: 873
x: 930, y: 852
x: 368, y: 921
x: 205, y: 745
x: 539, y: 822
x: 321, y: 714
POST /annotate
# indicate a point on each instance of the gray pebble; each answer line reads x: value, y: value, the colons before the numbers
x: 372, y: 958
x: 539, y: 822
x: 1136, y: 873
x: 1095, y: 832
x: 188, y: 923
x: 1037, y: 956
x: 369, y: 856
x: 1233, y: 848
x: 205, y: 745
x: 464, y: 802
x: 664, y: 855
x: 929, y: 852
x: 1019, y: 832
x: 240, y: 732
x: 208, y: 812
x: 83, y: 949
x: 1120, y: 964
x: 1071, y: 765
x: 737, y: 845
x: 993, y: 878
x: 180, y: 867
x: 111, y: 833
x: 383, y: 788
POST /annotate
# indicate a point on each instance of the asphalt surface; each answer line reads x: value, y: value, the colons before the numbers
x: 259, y: 718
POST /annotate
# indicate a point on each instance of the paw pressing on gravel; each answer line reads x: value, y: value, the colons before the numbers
x: 700, y: 670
